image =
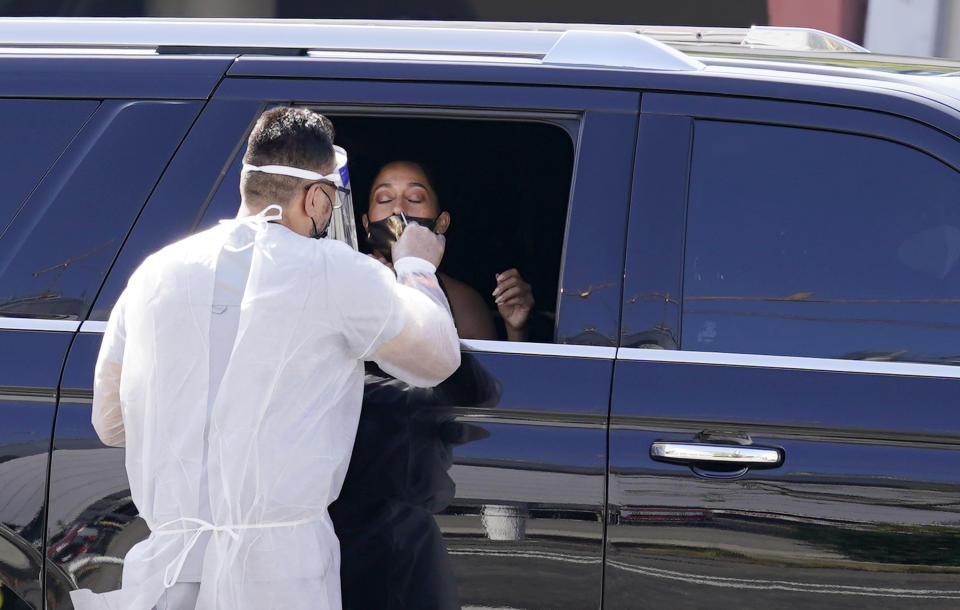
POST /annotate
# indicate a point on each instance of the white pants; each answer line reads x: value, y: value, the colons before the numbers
x: 181, y: 596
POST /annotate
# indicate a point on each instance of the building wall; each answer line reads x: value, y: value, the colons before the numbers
x: 210, y: 8
x: 924, y: 28
x: 907, y: 27
x: 844, y: 18
x: 950, y: 31
x: 731, y: 13
x: 914, y: 27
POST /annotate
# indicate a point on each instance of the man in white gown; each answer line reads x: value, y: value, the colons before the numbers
x: 232, y: 371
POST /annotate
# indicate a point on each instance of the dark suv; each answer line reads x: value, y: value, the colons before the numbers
x: 744, y: 247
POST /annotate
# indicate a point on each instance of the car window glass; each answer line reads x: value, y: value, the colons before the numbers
x: 35, y: 132
x: 57, y: 250
x: 815, y: 243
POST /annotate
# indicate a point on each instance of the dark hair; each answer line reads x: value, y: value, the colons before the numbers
x: 295, y: 137
x: 431, y: 179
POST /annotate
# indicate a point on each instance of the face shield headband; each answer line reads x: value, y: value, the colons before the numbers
x: 342, y: 225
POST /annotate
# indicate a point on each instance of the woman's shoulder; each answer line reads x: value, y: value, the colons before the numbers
x: 470, y: 311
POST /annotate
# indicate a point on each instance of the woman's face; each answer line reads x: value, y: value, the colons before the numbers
x: 402, y: 188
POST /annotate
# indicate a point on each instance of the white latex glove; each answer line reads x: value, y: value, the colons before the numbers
x: 427, y: 351
x: 419, y: 242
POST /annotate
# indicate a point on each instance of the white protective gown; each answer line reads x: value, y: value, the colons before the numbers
x: 232, y: 370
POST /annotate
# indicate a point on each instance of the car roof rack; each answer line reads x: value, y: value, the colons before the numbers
x: 756, y: 37
x: 609, y: 46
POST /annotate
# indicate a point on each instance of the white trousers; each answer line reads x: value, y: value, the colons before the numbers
x: 181, y: 596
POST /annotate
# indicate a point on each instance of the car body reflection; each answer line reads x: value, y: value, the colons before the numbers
x: 451, y: 491
x: 392, y: 552
x: 845, y: 544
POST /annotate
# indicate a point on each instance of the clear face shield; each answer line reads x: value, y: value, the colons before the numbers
x: 335, y: 185
x: 342, y: 222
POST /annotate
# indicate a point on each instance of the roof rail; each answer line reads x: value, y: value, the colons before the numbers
x: 581, y: 46
x: 613, y: 46
x: 617, y: 50
x: 798, y: 39
x: 767, y: 37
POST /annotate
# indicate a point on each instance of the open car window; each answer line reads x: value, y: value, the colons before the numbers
x: 504, y: 183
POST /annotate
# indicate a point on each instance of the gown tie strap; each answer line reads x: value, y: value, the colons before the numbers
x: 173, y: 569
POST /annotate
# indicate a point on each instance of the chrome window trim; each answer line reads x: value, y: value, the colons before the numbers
x: 914, y: 369
x: 60, y: 326
x: 402, y: 56
x: 488, y: 37
x: 93, y: 326
x: 538, y: 349
x: 26, y: 51
x: 911, y: 369
x: 478, y: 346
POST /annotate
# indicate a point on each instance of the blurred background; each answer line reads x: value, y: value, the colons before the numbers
x: 905, y: 27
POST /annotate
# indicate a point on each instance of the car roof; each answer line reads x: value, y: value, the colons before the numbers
x: 622, y: 46
x: 772, y: 53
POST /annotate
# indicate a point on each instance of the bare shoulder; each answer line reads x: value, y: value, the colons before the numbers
x: 470, y: 312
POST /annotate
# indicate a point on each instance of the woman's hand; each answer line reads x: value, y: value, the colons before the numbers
x: 514, y: 299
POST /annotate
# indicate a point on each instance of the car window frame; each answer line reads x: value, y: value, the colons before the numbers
x: 685, y: 109
x: 583, y: 113
x: 86, y: 157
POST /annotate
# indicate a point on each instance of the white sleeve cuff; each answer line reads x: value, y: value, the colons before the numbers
x: 413, y: 264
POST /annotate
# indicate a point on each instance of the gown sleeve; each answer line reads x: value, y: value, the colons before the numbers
x: 402, y: 323
x: 107, y: 415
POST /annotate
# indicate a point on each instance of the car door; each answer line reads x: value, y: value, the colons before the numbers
x: 517, y: 448
x: 69, y: 204
x: 783, y: 421
x: 85, y: 140
x: 33, y: 349
x: 92, y: 520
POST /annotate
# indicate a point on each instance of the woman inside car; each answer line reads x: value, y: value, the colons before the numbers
x: 392, y: 553
x: 403, y: 192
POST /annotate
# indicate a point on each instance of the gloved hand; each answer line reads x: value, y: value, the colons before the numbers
x: 427, y: 350
x: 419, y: 242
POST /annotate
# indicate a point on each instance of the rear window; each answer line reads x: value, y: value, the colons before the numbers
x: 57, y: 249
x: 815, y: 243
x: 35, y: 133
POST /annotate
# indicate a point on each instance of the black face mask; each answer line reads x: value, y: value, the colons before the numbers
x: 382, y: 234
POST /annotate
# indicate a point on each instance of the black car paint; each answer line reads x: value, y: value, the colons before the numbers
x: 863, y: 511
x: 565, y: 444
x: 28, y: 398
x: 515, y: 459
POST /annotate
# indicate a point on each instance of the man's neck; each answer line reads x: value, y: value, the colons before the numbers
x: 246, y: 211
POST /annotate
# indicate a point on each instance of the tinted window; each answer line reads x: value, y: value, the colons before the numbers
x: 815, y: 243
x: 57, y: 250
x: 35, y: 132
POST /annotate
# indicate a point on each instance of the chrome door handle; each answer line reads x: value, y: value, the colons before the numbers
x: 705, y: 454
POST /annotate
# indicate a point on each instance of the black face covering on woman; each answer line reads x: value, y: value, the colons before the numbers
x: 382, y: 234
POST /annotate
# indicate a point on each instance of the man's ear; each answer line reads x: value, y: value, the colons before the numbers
x: 318, y: 200
x: 443, y: 223
x: 309, y: 201
x: 365, y: 221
